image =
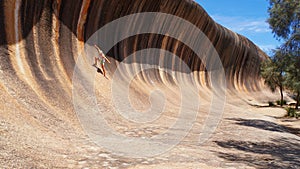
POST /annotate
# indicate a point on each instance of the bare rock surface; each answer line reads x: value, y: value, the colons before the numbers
x: 41, y: 51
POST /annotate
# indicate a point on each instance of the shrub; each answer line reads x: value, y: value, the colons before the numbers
x: 291, y: 112
x: 271, y: 104
x: 278, y: 102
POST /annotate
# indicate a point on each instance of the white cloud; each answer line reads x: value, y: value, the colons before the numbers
x: 255, y: 29
x: 240, y: 24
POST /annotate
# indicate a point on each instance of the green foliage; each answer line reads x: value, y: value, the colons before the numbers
x: 284, y: 20
x: 273, y: 72
x: 293, y: 76
x: 284, y: 17
x: 269, y: 73
x: 292, y: 45
x: 278, y: 102
x: 292, y: 51
x: 271, y: 104
x: 291, y: 112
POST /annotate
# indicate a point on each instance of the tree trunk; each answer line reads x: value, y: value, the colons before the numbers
x: 297, y: 100
x: 281, y: 96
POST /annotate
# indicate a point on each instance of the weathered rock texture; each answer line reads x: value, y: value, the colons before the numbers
x: 40, y: 41
x: 52, y: 28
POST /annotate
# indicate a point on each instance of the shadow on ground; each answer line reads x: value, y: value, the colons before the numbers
x: 265, y: 125
x: 279, y: 153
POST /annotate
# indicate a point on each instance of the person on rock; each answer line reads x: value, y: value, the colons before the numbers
x: 101, y: 58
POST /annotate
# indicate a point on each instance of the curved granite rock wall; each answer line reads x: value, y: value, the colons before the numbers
x: 41, y: 41
x: 31, y: 31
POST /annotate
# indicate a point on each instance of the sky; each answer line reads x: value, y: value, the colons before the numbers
x: 245, y: 17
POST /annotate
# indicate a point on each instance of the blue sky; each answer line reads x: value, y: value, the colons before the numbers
x: 246, y: 17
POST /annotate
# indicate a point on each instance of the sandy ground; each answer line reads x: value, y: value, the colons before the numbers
x: 246, y: 137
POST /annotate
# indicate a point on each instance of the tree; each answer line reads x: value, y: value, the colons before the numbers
x: 284, y: 18
x: 293, y: 80
x: 273, y: 71
x: 292, y: 50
